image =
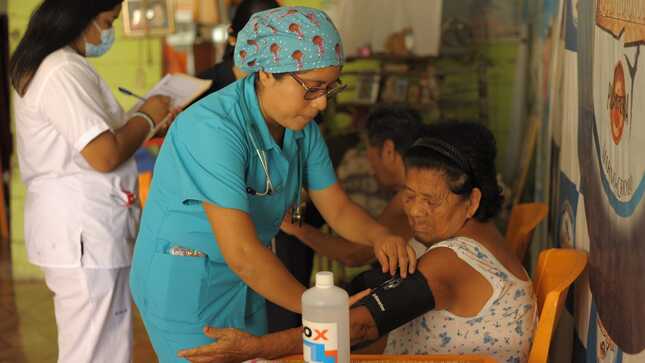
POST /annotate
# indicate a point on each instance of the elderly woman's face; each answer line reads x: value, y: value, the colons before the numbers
x: 434, y: 212
x: 286, y: 97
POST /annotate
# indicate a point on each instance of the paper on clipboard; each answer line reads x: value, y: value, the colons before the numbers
x: 181, y: 88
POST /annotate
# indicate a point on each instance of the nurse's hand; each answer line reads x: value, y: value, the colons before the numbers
x: 393, y: 251
x: 232, y: 345
x: 162, y: 129
x: 157, y: 107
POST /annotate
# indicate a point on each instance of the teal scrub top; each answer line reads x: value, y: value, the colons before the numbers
x: 208, y: 156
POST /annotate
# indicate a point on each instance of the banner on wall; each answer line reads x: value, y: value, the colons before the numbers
x: 611, y: 141
x: 568, y: 176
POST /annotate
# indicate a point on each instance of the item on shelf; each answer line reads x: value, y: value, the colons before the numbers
x: 364, y: 51
x: 400, y: 43
x: 395, y: 89
x: 396, y: 68
x: 414, y: 91
x: 367, y: 88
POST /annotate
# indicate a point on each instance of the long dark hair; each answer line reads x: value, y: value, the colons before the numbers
x: 243, y: 14
x: 53, y: 25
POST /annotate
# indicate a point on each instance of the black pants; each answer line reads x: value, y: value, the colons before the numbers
x: 298, y: 258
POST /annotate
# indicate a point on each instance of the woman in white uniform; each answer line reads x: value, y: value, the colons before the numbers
x: 75, y: 149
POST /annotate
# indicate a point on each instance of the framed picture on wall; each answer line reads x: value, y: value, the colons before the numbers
x: 148, y: 17
x: 367, y: 88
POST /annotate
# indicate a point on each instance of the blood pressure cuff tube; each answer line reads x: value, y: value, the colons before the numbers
x: 367, y: 280
x: 398, y: 301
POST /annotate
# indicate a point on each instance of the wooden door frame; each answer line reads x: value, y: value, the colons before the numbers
x: 6, y: 140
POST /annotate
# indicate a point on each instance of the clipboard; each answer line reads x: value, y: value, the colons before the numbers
x: 182, y: 90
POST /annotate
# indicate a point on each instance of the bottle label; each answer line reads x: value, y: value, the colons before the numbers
x: 320, y: 342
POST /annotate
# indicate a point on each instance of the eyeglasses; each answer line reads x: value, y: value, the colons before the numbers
x: 311, y: 93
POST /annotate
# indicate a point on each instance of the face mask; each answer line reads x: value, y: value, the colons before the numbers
x: 107, y: 39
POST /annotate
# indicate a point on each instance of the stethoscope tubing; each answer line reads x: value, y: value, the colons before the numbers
x: 261, y: 153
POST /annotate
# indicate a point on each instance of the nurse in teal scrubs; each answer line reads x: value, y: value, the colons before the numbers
x: 231, y: 167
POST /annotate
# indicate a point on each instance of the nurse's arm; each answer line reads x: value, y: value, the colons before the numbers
x: 337, y: 248
x: 354, y: 224
x: 255, y: 264
x: 110, y: 149
x: 340, y: 249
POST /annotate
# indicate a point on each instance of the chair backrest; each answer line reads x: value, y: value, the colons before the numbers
x: 556, y: 270
x: 145, y: 179
x: 524, y: 218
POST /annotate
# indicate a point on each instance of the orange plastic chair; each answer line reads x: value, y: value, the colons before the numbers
x: 372, y: 358
x: 145, y: 179
x: 556, y: 270
x: 524, y: 218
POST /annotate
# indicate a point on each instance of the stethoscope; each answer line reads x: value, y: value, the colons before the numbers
x: 252, y: 132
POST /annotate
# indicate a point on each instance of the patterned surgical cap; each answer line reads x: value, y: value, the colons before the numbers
x: 288, y: 39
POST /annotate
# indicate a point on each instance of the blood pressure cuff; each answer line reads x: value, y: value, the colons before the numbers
x: 368, y: 280
x: 398, y: 301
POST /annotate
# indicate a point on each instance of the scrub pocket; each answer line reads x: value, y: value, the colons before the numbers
x: 175, y: 286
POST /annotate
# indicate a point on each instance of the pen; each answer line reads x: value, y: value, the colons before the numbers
x: 130, y: 93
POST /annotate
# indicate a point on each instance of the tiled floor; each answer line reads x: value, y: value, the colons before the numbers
x: 27, y: 325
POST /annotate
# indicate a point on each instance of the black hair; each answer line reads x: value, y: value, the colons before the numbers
x: 53, y: 25
x: 242, y: 15
x: 402, y: 125
x: 465, y: 152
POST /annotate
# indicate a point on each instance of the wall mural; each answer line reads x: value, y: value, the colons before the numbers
x: 601, y: 206
x: 612, y: 164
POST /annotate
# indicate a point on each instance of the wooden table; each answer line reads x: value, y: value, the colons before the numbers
x: 359, y: 358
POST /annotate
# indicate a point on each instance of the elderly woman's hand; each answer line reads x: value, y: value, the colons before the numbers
x: 393, y: 251
x: 231, y: 345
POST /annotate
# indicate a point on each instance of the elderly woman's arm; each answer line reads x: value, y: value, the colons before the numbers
x: 233, y: 345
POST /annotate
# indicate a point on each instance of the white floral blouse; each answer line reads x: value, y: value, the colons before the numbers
x: 502, y: 329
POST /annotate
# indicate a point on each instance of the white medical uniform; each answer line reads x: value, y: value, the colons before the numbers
x: 80, y: 224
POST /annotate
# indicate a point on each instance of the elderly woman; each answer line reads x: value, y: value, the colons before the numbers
x: 229, y: 169
x: 469, y: 294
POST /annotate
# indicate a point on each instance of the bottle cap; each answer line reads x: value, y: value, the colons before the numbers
x: 324, y: 279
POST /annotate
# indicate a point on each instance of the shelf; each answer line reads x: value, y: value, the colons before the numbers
x: 445, y: 54
x: 381, y: 103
